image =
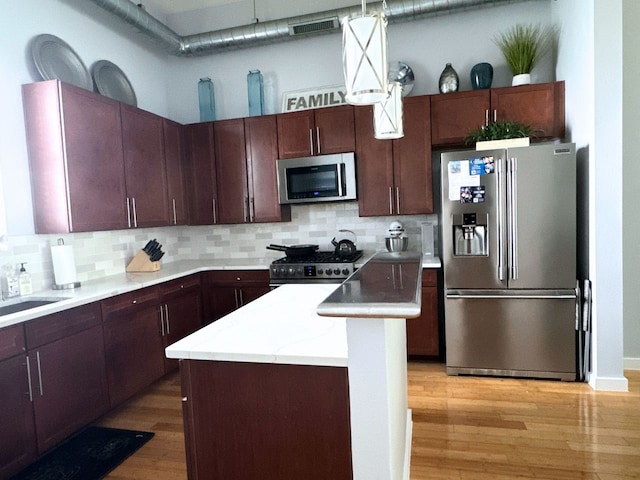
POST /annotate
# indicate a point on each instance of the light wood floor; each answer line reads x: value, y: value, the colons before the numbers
x: 464, y: 428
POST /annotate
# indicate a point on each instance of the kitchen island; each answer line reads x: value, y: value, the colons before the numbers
x: 275, y: 390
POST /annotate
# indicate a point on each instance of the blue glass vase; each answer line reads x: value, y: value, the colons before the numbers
x: 206, y: 100
x: 481, y: 76
x: 255, y: 90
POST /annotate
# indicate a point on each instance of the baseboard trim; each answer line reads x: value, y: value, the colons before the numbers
x: 609, y: 384
x: 632, y: 363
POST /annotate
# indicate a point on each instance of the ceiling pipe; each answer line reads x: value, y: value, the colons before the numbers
x: 274, y: 31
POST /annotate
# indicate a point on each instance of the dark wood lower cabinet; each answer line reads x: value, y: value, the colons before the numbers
x: 17, y: 438
x: 133, y: 341
x: 256, y: 421
x: 227, y: 290
x: 423, y: 332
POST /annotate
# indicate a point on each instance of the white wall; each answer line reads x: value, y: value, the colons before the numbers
x: 590, y: 61
x: 631, y: 185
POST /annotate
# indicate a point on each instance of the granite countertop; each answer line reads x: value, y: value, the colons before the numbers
x: 279, y: 327
x: 110, y: 286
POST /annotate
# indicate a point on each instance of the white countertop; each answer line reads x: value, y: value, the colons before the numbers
x: 110, y: 286
x: 279, y: 327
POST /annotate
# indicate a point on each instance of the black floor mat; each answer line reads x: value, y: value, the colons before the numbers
x: 89, y: 455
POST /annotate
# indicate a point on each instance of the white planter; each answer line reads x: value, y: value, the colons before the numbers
x: 522, y: 79
x: 506, y: 143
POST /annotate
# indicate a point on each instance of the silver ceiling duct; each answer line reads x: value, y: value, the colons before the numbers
x: 273, y: 31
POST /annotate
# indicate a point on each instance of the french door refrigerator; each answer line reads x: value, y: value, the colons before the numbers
x: 509, y: 259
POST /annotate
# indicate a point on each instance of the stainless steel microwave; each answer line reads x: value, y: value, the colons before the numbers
x: 323, y: 178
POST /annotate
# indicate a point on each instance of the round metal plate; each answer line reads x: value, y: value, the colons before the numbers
x: 56, y: 60
x: 111, y: 82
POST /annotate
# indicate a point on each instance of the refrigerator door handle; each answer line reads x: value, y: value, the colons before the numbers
x: 500, y: 253
x: 455, y: 296
x: 513, y: 218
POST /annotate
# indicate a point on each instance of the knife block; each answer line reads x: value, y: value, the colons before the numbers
x: 141, y: 263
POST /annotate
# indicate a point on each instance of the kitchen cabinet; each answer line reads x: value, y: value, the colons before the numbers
x: 227, y: 290
x: 18, y: 445
x: 134, y: 345
x: 180, y: 311
x: 201, y: 178
x: 262, y: 152
x: 245, y: 159
x: 145, y: 170
x: 423, y: 332
x: 74, y: 143
x: 541, y: 105
x: 175, y: 164
x: 316, y: 132
x: 394, y: 176
x: 68, y: 377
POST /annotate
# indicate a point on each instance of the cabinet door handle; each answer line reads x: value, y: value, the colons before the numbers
x: 166, y: 316
x: 390, y: 200
x: 235, y: 296
x: 39, y: 373
x: 162, y: 331
x: 128, y: 214
x: 240, y: 296
x: 245, y: 208
x: 135, y: 214
x: 398, y: 200
x: 495, y: 115
x: 311, y: 141
x: 215, y: 219
x: 29, y: 379
x: 486, y: 117
x: 252, y: 210
x: 175, y: 218
x: 318, y: 139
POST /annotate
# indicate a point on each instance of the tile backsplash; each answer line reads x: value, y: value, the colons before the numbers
x: 99, y: 254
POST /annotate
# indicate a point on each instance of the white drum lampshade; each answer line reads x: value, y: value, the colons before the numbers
x: 387, y: 114
x: 364, y: 58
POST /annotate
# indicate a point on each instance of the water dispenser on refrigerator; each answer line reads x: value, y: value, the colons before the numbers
x: 470, y: 235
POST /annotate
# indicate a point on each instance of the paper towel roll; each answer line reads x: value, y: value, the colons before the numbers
x: 64, y: 265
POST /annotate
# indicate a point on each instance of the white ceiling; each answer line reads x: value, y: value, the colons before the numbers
x: 178, y: 6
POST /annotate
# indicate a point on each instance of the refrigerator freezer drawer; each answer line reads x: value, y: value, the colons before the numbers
x: 515, y: 335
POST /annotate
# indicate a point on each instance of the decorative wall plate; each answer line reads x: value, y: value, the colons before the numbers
x: 111, y: 82
x: 56, y: 60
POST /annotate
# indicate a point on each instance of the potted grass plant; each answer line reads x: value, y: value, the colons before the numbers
x: 500, y: 134
x: 522, y: 46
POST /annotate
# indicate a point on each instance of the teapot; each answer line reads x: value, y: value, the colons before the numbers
x: 344, y: 247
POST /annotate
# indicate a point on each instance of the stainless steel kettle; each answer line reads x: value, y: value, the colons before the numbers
x: 344, y: 247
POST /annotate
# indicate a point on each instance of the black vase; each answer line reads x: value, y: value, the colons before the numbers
x: 448, y: 80
x: 481, y: 76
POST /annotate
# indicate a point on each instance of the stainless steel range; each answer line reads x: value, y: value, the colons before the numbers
x: 318, y: 267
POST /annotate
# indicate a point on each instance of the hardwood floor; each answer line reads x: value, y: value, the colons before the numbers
x: 464, y: 428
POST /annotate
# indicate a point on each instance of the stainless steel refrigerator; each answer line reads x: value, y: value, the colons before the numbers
x: 509, y: 258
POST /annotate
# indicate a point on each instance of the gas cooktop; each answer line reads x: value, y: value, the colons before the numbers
x: 319, y: 267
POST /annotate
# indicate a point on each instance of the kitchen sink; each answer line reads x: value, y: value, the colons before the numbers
x: 23, y: 305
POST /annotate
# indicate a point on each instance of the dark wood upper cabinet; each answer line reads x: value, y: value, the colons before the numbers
x: 145, y: 169
x: 74, y: 142
x: 454, y: 115
x: 394, y: 176
x: 231, y: 171
x: 201, y: 173
x: 316, y: 132
x: 262, y: 152
x: 539, y: 105
x: 176, y: 169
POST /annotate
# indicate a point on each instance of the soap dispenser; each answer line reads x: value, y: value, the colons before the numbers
x: 24, y: 279
x: 10, y: 286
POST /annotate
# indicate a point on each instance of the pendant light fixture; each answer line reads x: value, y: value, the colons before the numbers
x: 387, y: 114
x: 364, y: 57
